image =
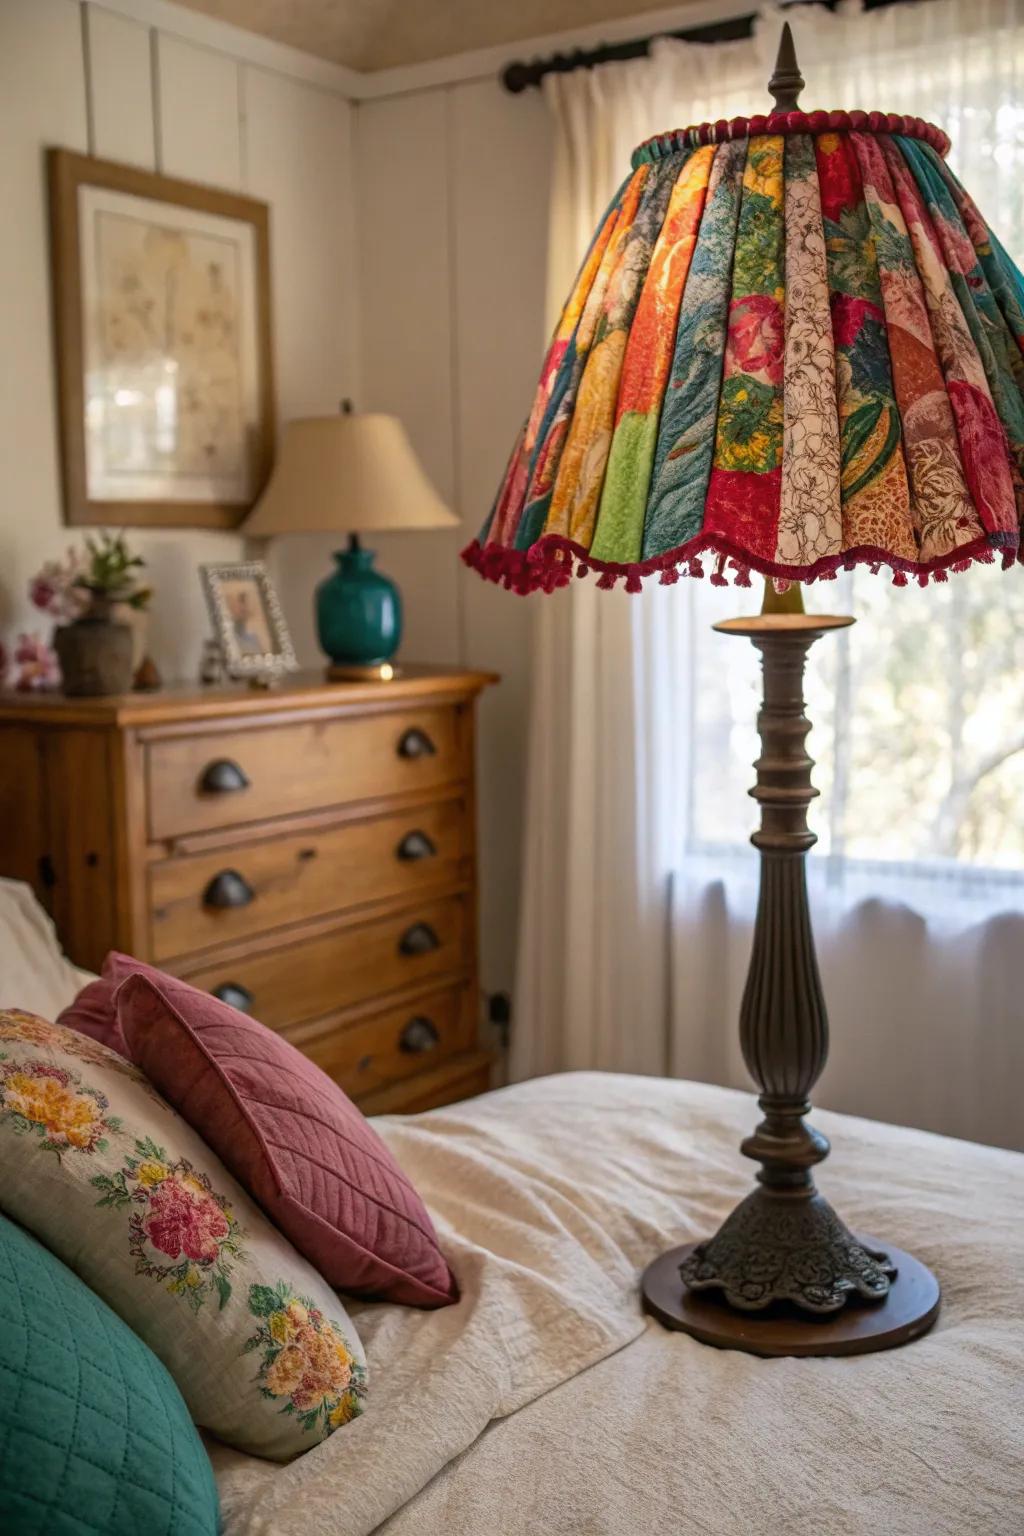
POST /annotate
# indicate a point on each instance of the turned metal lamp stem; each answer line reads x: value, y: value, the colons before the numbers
x: 783, y: 1020
x: 784, y: 1243
x: 783, y: 1274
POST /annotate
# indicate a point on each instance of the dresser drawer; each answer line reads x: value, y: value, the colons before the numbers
x: 461, y: 1077
x: 199, y: 900
x: 225, y: 778
x: 395, y: 1044
x: 345, y: 966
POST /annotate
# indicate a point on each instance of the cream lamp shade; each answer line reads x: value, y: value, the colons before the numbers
x: 347, y: 473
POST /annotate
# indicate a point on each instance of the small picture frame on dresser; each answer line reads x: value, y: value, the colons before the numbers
x: 248, y: 624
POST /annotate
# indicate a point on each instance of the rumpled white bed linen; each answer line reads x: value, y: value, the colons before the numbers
x: 550, y: 1197
x: 35, y: 974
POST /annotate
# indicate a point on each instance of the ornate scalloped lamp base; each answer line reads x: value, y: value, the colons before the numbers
x: 785, y: 1247
x: 858, y: 1327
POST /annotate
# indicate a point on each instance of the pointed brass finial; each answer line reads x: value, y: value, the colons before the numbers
x: 787, y: 82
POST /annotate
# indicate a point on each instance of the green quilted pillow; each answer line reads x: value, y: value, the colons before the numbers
x: 94, y: 1435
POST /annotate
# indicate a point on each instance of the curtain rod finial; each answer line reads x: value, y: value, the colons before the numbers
x: 787, y: 82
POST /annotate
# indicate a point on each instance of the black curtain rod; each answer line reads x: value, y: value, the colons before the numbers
x: 523, y: 74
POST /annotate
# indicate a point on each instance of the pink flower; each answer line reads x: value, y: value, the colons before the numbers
x: 53, y: 588
x: 849, y: 315
x: 182, y: 1222
x: 757, y: 337
x: 37, y: 665
x: 42, y: 591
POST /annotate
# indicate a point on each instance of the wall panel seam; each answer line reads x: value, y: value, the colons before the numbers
x: 158, y: 126
x: 453, y: 348
x: 90, y: 117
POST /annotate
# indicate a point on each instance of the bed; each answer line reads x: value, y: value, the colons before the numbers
x: 546, y: 1402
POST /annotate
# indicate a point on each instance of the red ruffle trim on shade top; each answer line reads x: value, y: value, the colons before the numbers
x: 727, y: 129
x: 553, y: 561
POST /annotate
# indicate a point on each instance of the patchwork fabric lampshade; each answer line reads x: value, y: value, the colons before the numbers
x: 793, y: 346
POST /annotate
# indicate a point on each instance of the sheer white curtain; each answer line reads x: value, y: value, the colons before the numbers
x: 639, y: 887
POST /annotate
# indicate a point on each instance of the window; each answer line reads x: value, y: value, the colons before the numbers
x: 917, y: 713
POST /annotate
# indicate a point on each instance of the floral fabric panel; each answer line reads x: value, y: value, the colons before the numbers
x: 794, y: 351
x: 686, y: 435
x: 743, y: 495
x: 1003, y: 278
x: 876, y: 508
x: 619, y: 532
x: 945, y: 510
x: 585, y: 455
x: 982, y: 441
x: 112, y: 1180
x: 996, y: 347
x: 810, y: 518
x: 534, y: 460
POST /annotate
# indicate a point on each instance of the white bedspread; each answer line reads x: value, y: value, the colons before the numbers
x: 550, y: 1197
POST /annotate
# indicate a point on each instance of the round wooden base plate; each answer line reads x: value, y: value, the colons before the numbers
x: 860, y: 1327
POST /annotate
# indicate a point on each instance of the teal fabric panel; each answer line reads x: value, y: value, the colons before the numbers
x: 94, y: 1435
x: 686, y: 431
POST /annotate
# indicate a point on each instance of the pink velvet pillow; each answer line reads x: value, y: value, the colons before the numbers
x: 290, y: 1136
x: 93, y: 1012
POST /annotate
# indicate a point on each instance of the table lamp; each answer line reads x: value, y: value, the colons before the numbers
x: 793, y: 346
x: 351, y: 473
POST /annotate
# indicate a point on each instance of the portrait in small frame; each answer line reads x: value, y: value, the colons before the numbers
x: 247, y: 620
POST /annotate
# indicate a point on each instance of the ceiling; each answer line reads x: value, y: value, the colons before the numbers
x: 377, y: 34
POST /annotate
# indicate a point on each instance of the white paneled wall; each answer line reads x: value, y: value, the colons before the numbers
x: 89, y: 78
x: 501, y: 152
x: 42, y: 101
x: 403, y: 220
x: 408, y: 238
x: 299, y: 153
x: 119, y: 61
x: 453, y: 210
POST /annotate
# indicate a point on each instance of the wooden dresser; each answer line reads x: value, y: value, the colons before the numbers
x: 305, y: 853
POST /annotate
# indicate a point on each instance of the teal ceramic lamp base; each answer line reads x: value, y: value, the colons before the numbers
x: 358, y: 615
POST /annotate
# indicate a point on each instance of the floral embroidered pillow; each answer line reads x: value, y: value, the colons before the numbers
x: 111, y: 1179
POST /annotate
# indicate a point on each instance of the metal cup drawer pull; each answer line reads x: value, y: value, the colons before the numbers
x: 416, y: 845
x: 419, y: 1035
x: 228, y: 889
x: 416, y: 743
x: 234, y: 995
x: 222, y: 777
x: 420, y: 939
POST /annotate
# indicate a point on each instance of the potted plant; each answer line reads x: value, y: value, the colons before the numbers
x: 96, y: 593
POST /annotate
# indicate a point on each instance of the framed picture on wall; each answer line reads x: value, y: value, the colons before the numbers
x: 161, y: 301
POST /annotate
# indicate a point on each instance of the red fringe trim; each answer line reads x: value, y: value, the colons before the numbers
x: 795, y: 121
x: 553, y: 561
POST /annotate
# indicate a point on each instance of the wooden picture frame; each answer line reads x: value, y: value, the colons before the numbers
x: 254, y: 640
x: 165, y: 285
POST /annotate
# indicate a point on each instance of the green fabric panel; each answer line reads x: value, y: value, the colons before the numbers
x: 686, y: 431
x: 94, y: 1434
x: 620, y: 527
